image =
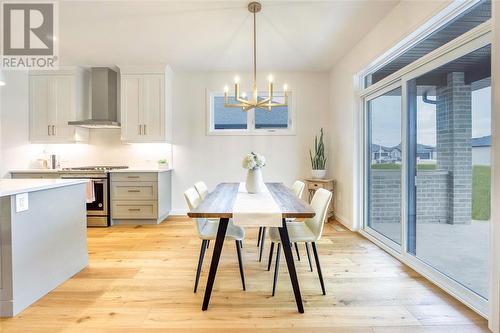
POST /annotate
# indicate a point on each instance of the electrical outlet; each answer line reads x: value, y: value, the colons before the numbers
x: 22, y: 202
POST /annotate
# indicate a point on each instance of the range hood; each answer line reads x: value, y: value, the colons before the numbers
x: 104, y: 94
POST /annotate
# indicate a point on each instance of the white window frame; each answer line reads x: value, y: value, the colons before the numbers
x: 478, y: 37
x: 251, y: 130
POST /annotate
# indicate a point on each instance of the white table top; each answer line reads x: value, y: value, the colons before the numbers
x: 16, y: 186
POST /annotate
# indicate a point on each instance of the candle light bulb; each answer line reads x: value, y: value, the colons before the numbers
x: 244, y: 94
x: 226, y: 89
x: 285, y: 87
x: 270, y: 78
x: 236, y: 79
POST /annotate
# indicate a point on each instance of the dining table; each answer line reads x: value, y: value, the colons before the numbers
x: 220, y: 203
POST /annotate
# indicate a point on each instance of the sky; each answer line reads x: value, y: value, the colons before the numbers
x: 386, y: 119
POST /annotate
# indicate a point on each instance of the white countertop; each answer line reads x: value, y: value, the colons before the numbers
x: 140, y: 170
x: 35, y: 171
x: 63, y: 171
x: 16, y: 186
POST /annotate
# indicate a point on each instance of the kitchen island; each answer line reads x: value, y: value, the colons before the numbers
x: 42, y: 238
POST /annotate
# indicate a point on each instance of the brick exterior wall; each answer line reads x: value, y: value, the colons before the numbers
x: 454, y: 151
x: 433, y: 191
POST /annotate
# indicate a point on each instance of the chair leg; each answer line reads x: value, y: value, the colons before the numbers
x: 241, y: 244
x: 318, y: 267
x: 309, y: 257
x: 270, y: 256
x: 204, y: 245
x: 297, y: 250
x: 260, y: 235
x: 240, y: 263
x: 277, y: 267
x: 263, y: 238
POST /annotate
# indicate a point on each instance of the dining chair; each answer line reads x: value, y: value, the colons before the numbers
x: 202, y: 189
x: 306, y: 232
x: 207, y: 230
x: 298, y: 190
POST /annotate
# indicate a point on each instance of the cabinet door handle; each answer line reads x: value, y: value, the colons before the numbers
x: 134, y: 191
x: 140, y: 129
x: 132, y: 176
x: 53, y: 129
x: 48, y: 130
x: 144, y: 129
x: 134, y: 209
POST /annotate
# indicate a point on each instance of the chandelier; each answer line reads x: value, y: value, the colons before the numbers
x: 254, y: 101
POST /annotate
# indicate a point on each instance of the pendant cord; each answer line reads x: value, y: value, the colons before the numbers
x: 254, y: 54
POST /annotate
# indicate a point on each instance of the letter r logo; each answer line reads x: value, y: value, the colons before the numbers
x: 28, y: 29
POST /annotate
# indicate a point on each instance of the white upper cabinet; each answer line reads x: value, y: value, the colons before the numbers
x: 57, y: 97
x: 146, y: 105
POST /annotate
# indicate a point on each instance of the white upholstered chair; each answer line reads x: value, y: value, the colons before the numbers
x: 298, y: 190
x: 202, y: 189
x: 207, y: 230
x: 306, y: 232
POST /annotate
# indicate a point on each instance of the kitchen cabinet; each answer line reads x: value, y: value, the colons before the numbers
x: 146, y: 105
x: 56, y: 97
x: 140, y: 197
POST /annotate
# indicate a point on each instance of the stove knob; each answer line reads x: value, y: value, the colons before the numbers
x: 100, y: 205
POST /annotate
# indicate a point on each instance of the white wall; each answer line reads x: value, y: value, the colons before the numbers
x: 401, y: 21
x: 218, y: 158
x: 196, y: 156
x: 494, y: 317
x: 104, y: 146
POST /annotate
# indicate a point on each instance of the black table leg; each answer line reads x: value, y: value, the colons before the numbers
x: 291, y: 266
x: 219, y: 242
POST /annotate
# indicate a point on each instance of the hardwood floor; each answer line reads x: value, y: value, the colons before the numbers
x: 140, y: 279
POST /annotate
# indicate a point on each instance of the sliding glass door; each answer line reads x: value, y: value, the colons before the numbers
x: 383, y: 165
x: 427, y: 170
x: 449, y: 127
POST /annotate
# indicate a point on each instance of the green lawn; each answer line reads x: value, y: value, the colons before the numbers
x: 481, y: 191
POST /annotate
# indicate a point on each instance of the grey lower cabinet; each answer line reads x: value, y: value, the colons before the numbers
x: 140, y: 197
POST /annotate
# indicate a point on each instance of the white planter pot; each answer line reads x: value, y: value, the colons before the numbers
x: 163, y: 166
x: 255, y: 183
x: 318, y: 174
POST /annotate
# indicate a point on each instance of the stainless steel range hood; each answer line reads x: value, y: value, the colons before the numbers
x: 104, y: 94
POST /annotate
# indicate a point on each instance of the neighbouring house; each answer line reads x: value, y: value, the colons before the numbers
x: 382, y: 154
x: 481, y: 150
x: 426, y: 153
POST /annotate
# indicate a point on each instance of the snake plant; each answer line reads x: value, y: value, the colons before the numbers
x: 318, y: 160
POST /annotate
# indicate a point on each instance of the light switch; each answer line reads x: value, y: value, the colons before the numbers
x: 22, y: 203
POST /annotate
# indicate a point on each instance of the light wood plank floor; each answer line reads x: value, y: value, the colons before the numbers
x: 140, y: 279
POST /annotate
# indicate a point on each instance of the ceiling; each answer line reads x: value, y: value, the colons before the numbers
x: 214, y: 35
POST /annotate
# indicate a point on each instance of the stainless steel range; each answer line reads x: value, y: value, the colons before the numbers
x: 98, y: 211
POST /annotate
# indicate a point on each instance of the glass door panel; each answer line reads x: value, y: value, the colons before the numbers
x: 384, y: 165
x: 449, y: 147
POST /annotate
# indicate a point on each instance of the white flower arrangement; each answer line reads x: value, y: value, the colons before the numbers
x: 253, y: 161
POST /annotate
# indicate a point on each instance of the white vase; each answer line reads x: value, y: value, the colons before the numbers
x: 318, y: 174
x: 255, y: 183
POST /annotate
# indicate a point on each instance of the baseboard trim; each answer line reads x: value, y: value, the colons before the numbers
x: 178, y: 213
x: 344, y: 221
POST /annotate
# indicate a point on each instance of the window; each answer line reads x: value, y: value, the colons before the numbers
x: 450, y: 194
x: 384, y: 164
x: 474, y: 16
x: 425, y: 152
x: 234, y: 121
x: 228, y: 118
